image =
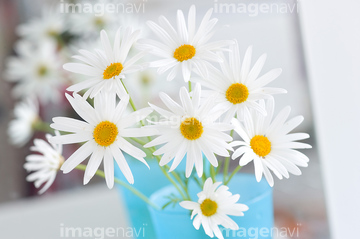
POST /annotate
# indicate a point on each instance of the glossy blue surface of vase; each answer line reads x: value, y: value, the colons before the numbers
x: 175, y: 223
x: 146, y: 181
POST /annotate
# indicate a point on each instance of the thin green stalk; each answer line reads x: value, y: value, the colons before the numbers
x: 152, y: 150
x: 172, y: 181
x: 232, y: 174
x: 139, y: 141
x: 136, y: 192
x: 163, y: 169
x: 130, y: 99
x: 212, y: 173
x: 189, y: 86
x: 203, y: 178
x: 218, y: 167
x: 42, y: 126
x: 158, y: 158
x: 227, y: 161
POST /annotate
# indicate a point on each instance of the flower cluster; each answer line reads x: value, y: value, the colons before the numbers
x: 224, y: 95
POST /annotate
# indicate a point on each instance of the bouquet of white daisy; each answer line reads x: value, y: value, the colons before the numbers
x: 223, y: 95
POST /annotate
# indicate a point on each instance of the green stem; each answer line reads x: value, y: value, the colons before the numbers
x: 232, y: 174
x: 152, y: 150
x: 212, y: 173
x: 42, y: 126
x: 101, y: 173
x: 139, y: 141
x: 189, y: 86
x: 158, y: 158
x: 203, y: 178
x: 218, y: 167
x: 172, y: 180
x: 130, y: 99
x: 227, y: 161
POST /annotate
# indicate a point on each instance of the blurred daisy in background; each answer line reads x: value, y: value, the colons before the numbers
x: 190, y: 129
x: 214, y: 207
x: 238, y: 86
x: 37, y: 71
x: 108, y: 67
x: 44, y: 166
x: 48, y: 27
x: 21, y: 129
x: 103, y: 135
x: 87, y: 25
x: 268, y: 143
x: 184, y: 48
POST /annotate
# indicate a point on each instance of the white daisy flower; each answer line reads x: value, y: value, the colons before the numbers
x: 268, y: 143
x: 103, y: 132
x: 46, y: 165
x: 37, y: 72
x: 49, y: 26
x: 184, y: 48
x: 21, y: 129
x: 106, y: 67
x: 190, y: 129
x: 213, y: 208
x: 238, y: 86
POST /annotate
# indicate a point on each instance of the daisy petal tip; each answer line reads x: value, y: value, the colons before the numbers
x: 51, y: 139
x: 147, y: 165
x: 103, y: 32
x: 65, y: 170
x: 271, y: 184
x: 110, y: 185
x: 68, y: 96
x: 65, y: 66
x: 86, y: 180
x: 182, y: 204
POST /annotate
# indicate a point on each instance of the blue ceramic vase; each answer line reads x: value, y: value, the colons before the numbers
x: 146, y: 181
x: 175, y: 223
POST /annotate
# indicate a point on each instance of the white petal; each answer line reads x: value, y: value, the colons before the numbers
x: 109, y: 168
x: 78, y: 156
x: 123, y: 165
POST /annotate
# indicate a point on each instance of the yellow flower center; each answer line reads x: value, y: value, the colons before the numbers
x: 237, y: 93
x: 42, y: 70
x: 52, y: 33
x: 208, y: 207
x: 105, y: 133
x: 191, y: 128
x: 184, y: 52
x: 99, y: 21
x: 113, y: 70
x: 260, y: 145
